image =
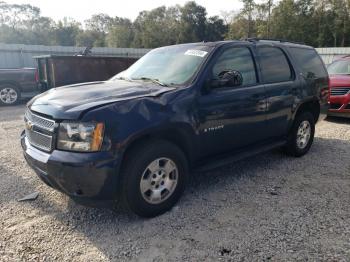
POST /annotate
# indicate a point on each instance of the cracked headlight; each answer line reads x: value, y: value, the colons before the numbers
x: 81, y: 137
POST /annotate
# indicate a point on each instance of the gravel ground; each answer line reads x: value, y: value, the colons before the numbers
x: 268, y: 207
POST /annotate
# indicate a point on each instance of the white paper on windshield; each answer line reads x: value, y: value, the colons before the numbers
x: 196, y: 53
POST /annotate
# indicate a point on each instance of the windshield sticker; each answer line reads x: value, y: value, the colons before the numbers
x: 196, y: 53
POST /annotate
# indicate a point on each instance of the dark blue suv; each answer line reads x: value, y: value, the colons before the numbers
x: 137, y: 137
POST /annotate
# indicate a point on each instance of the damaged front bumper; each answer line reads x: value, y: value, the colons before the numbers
x: 88, y: 178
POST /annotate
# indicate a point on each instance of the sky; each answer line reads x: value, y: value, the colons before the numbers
x: 81, y: 10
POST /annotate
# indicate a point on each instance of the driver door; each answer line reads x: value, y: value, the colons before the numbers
x: 232, y: 117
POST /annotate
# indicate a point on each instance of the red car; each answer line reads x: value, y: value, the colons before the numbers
x: 339, y: 72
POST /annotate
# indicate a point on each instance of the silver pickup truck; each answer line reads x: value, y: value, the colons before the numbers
x: 17, y: 84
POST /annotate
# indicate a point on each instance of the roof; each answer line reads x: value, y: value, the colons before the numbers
x: 80, y: 56
x: 250, y: 40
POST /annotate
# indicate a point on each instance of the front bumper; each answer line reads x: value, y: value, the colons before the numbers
x: 88, y: 178
x: 339, y: 106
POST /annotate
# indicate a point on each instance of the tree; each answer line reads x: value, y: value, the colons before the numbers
x: 192, y: 23
x: 248, y: 9
x: 121, y: 33
x: 315, y: 22
x: 269, y: 6
x: 99, y: 23
x: 65, y: 32
x: 18, y: 16
x: 284, y: 23
x: 157, y: 27
x: 90, y: 38
x: 237, y: 29
x: 215, y: 29
x: 23, y: 24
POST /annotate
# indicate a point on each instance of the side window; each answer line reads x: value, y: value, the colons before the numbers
x: 274, y: 65
x: 239, y: 59
x: 310, y: 63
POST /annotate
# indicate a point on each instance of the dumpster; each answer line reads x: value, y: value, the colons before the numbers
x: 55, y: 71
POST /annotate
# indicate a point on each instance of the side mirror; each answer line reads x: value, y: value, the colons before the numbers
x: 228, y: 78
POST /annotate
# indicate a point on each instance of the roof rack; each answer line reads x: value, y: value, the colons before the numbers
x: 256, y: 39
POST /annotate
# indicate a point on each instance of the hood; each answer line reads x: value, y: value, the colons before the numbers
x: 339, y: 80
x: 69, y: 102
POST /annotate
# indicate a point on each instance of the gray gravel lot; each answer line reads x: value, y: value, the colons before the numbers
x: 268, y: 207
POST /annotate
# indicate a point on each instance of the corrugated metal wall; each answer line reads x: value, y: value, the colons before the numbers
x: 17, y: 56
x: 332, y: 53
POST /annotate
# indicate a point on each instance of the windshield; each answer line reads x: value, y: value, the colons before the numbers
x: 174, y: 65
x: 341, y: 67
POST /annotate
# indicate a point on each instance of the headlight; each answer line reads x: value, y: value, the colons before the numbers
x: 82, y: 137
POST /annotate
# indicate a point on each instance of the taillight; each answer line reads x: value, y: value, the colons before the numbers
x: 36, y: 76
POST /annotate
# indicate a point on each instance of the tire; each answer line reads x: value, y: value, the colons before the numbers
x: 9, y: 95
x: 148, y: 190
x: 301, y: 135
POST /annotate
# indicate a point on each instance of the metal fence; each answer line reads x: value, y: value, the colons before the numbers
x: 332, y: 53
x: 17, y: 56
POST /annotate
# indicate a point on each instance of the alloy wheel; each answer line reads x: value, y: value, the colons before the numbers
x: 159, y: 180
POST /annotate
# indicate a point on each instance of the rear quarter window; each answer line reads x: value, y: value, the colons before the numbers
x: 309, y: 62
x: 274, y: 65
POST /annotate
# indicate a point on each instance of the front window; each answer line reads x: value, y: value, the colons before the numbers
x: 174, y: 65
x: 341, y: 67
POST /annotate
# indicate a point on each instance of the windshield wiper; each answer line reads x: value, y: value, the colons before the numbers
x: 156, y: 81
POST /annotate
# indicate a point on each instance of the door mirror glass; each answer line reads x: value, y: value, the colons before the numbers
x: 228, y: 78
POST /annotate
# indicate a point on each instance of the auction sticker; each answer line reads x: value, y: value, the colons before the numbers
x: 196, y: 53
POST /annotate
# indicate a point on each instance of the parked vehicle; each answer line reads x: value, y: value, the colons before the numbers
x: 137, y: 137
x: 339, y: 99
x: 55, y: 71
x: 16, y: 84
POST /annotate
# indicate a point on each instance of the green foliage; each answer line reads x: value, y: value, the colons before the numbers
x: 121, y: 33
x: 156, y: 28
x: 315, y: 22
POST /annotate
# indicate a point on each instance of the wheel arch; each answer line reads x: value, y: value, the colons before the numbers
x: 12, y: 83
x: 311, y: 105
x: 178, y: 136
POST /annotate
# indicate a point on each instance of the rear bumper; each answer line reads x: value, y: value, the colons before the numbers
x: 339, y: 106
x: 88, y: 178
x: 339, y: 114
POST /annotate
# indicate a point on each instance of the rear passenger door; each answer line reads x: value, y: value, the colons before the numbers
x: 281, y: 87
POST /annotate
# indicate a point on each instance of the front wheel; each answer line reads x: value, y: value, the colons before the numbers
x: 154, y: 178
x: 301, y: 135
x: 9, y: 95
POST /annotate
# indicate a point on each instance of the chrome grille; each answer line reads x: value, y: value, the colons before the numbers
x: 39, y: 131
x: 39, y: 140
x: 339, y: 91
x: 40, y: 122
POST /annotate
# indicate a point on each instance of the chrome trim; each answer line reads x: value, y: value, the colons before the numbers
x: 37, y: 139
x: 39, y: 131
x: 340, y: 91
x: 39, y: 121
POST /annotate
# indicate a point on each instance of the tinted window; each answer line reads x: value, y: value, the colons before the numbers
x: 310, y: 63
x: 274, y: 65
x: 239, y: 59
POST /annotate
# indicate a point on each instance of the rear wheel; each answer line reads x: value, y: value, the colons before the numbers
x: 9, y: 95
x: 301, y: 135
x: 154, y: 178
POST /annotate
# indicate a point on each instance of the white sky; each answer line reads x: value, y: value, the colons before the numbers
x: 82, y: 9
